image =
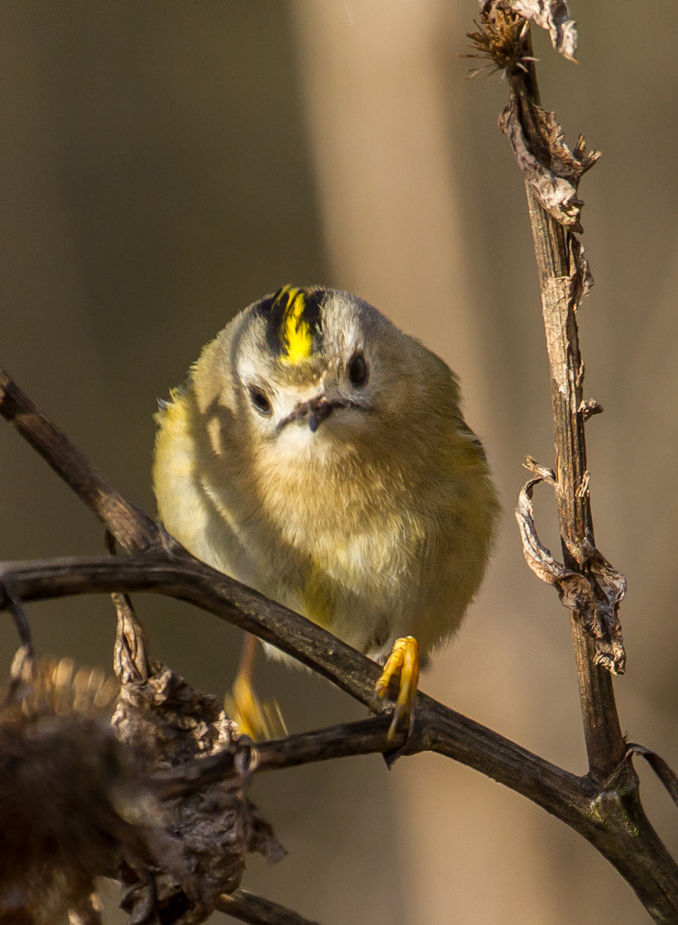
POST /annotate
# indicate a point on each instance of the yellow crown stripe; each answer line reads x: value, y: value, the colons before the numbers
x: 296, y: 332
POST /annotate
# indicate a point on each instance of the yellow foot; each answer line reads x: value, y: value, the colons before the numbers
x: 260, y: 720
x: 404, y: 656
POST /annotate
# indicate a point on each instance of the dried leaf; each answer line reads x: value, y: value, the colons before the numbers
x: 593, y: 598
x: 66, y: 781
x: 661, y: 768
x: 567, y: 163
x: 554, y: 187
x: 580, y: 271
x: 590, y: 407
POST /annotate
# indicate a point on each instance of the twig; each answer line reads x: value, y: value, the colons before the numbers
x: 552, y: 172
x: 22, y: 624
x: 365, y: 737
x: 586, y: 582
x: 178, y: 574
x: 555, y: 253
x: 257, y: 911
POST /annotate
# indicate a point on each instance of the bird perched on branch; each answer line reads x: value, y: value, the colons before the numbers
x: 318, y: 454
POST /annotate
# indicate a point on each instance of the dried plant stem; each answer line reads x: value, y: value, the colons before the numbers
x: 604, y: 740
x: 246, y: 907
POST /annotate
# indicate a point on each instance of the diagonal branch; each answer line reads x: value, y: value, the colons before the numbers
x: 179, y: 575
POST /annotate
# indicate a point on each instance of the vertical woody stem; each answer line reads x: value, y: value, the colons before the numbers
x: 604, y: 741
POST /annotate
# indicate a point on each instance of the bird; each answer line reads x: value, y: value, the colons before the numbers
x: 318, y: 454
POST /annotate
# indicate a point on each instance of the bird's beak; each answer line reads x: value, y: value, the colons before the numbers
x: 319, y: 409
x: 314, y: 412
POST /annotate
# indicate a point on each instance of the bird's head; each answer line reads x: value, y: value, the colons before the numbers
x: 308, y: 371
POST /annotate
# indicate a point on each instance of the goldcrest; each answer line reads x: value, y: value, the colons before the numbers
x: 319, y: 455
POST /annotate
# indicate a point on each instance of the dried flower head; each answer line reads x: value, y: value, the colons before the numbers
x: 66, y: 784
x: 502, y: 39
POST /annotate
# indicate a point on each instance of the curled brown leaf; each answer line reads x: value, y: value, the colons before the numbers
x: 593, y: 597
x: 555, y: 185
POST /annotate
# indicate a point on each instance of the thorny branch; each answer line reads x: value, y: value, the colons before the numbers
x: 603, y: 805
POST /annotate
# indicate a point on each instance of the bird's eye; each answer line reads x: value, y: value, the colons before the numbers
x: 357, y: 370
x: 259, y: 400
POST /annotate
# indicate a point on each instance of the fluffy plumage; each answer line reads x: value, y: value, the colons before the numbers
x: 318, y: 454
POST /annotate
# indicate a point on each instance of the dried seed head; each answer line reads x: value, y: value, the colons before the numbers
x: 501, y: 39
x: 63, y: 777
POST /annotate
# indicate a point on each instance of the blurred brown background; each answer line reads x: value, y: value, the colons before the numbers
x: 162, y: 165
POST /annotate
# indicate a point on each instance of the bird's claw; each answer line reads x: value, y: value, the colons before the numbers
x: 260, y: 720
x: 404, y: 657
